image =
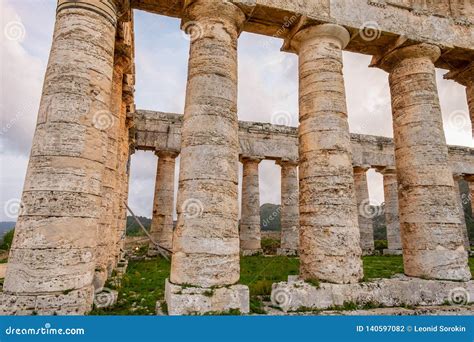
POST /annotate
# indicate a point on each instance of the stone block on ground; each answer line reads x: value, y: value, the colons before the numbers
x: 186, y: 300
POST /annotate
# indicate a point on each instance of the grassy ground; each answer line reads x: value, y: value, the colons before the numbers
x: 144, y: 281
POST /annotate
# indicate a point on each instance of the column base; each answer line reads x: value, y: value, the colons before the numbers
x: 287, y: 252
x: 186, y: 300
x: 366, y: 252
x: 76, y: 302
x: 250, y: 252
x: 298, y: 295
x: 392, y: 252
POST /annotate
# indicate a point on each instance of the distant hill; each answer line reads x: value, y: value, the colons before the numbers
x: 270, y: 217
x: 6, y: 226
x: 133, y: 229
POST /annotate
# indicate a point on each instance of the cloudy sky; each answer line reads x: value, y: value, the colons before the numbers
x: 267, y: 86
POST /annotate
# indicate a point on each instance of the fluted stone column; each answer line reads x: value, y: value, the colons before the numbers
x: 366, y: 226
x: 250, y: 233
x: 110, y: 122
x: 289, y: 208
x: 392, y: 221
x: 52, y: 260
x: 162, y: 221
x: 457, y: 193
x: 206, y: 239
x: 433, y: 245
x: 329, y: 233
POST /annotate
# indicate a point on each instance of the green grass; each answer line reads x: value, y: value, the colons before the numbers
x: 143, y: 284
x: 382, y: 266
x: 259, y: 272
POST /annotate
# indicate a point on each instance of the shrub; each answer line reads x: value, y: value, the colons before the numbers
x: 7, y: 240
x: 380, y: 245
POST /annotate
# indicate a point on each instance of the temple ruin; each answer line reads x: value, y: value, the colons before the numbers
x: 70, y: 230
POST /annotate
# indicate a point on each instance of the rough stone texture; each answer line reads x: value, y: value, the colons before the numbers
x: 366, y: 215
x: 433, y: 246
x: 392, y: 221
x: 124, y: 55
x: 250, y: 213
x: 457, y: 193
x: 289, y: 214
x: 206, y: 239
x: 52, y: 260
x: 162, y: 131
x: 329, y: 235
x: 197, y: 300
x: 162, y: 220
x: 76, y: 302
x: 397, y: 291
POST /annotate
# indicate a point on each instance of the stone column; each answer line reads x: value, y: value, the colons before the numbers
x: 433, y: 245
x: 250, y: 233
x: 392, y: 221
x: 366, y: 214
x: 206, y: 239
x: 52, y: 260
x: 289, y: 208
x: 457, y: 193
x: 162, y: 221
x: 110, y: 122
x: 329, y: 233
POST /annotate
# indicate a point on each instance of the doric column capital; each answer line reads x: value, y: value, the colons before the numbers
x: 166, y: 154
x: 106, y: 8
x: 283, y: 162
x: 329, y: 32
x: 387, y: 171
x: 196, y: 13
x: 463, y: 76
x: 250, y: 159
x: 361, y: 168
x: 394, y: 56
x: 458, y: 176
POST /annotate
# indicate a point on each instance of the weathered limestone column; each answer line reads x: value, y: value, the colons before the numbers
x: 110, y: 122
x: 206, y: 239
x: 52, y: 260
x: 366, y: 215
x: 329, y: 233
x: 250, y: 233
x: 162, y: 221
x: 392, y: 221
x: 433, y: 246
x: 457, y: 193
x: 289, y: 208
